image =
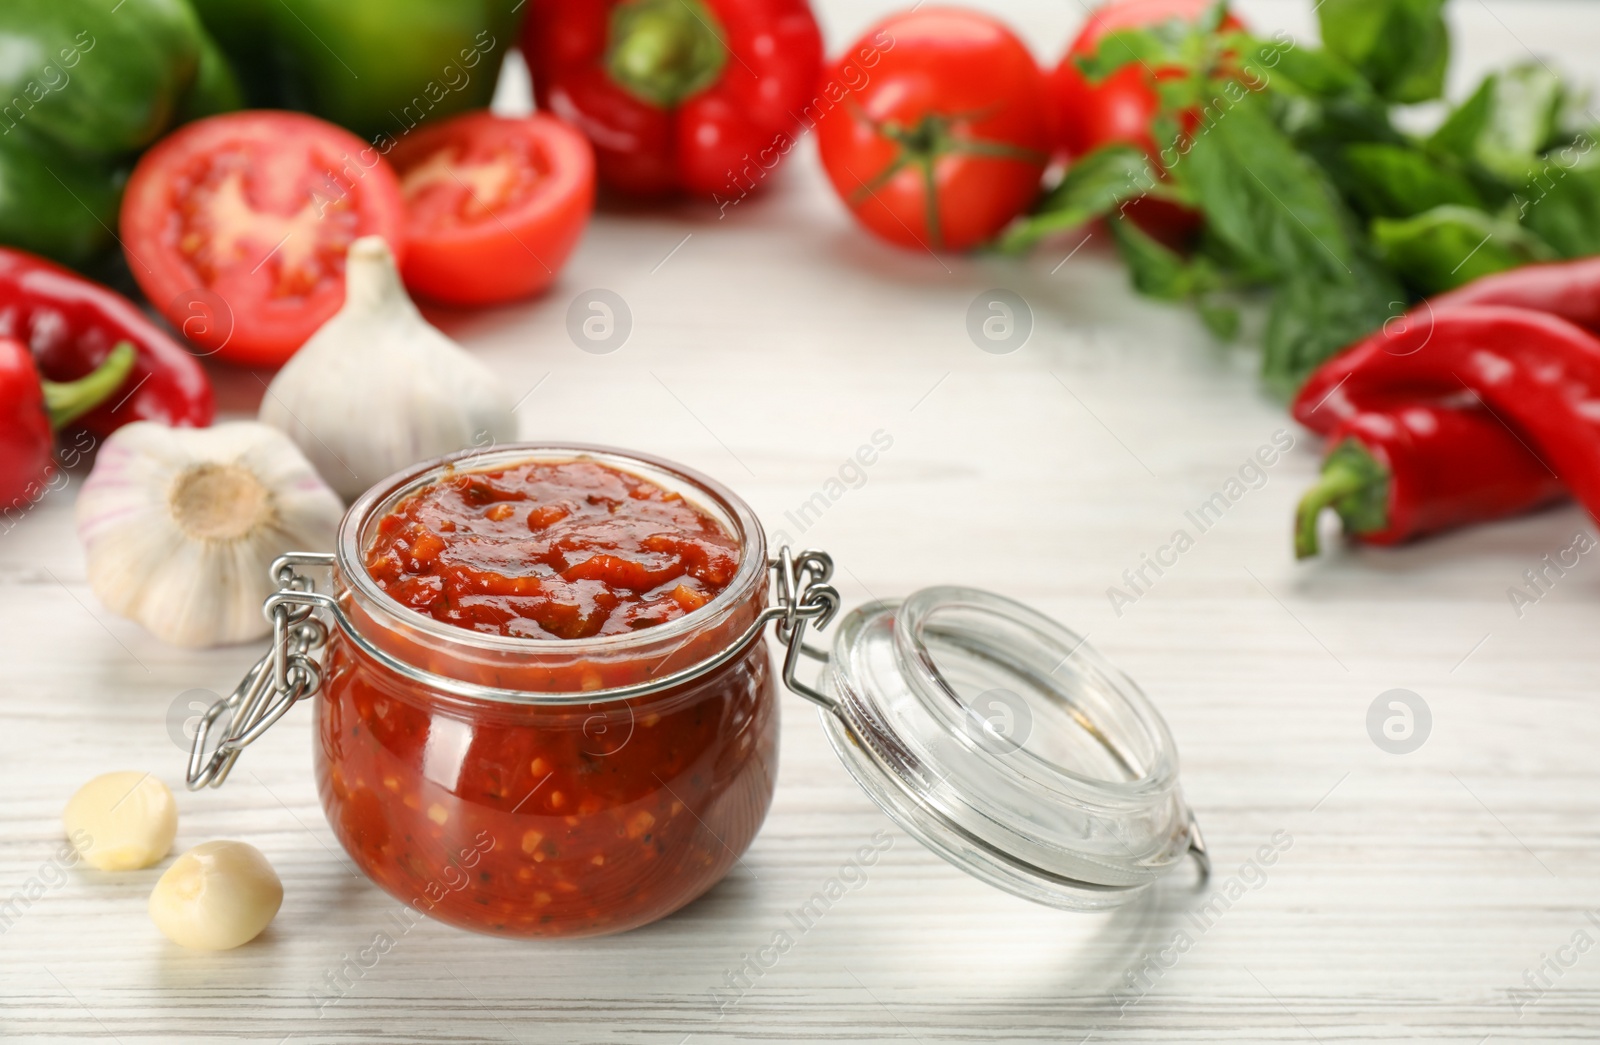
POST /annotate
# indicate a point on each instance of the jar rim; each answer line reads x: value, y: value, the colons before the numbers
x: 706, y: 492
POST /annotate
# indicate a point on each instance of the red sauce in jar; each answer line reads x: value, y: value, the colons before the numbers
x: 551, y: 550
x: 550, y: 819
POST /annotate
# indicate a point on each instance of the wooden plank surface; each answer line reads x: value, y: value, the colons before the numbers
x: 1416, y: 893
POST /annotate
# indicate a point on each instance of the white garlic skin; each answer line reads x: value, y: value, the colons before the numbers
x: 216, y: 896
x: 121, y: 821
x: 180, y: 526
x: 378, y: 388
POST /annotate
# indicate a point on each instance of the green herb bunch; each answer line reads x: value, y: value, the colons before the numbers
x: 1310, y: 192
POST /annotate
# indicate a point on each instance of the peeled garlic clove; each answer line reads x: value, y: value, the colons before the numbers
x: 121, y: 821
x: 180, y: 526
x: 378, y: 388
x: 216, y: 896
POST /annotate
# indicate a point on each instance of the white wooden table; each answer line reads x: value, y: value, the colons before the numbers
x: 1417, y: 889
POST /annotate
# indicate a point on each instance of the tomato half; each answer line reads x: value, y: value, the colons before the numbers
x: 236, y: 228
x: 1120, y: 107
x: 494, y: 205
x: 940, y: 137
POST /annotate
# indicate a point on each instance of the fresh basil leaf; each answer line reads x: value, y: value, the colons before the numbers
x: 1394, y: 181
x: 1221, y: 320
x: 1176, y: 43
x: 1157, y: 270
x: 1513, y: 117
x: 1150, y: 46
x: 1447, y: 246
x: 1401, y: 46
x: 1304, y: 70
x: 1268, y: 203
x: 1094, y: 186
x: 1458, y: 135
x: 1561, y: 204
x: 1311, y: 319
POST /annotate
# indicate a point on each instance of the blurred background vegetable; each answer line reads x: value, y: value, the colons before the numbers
x: 1307, y: 187
x: 1121, y: 108
x: 84, y: 86
x: 236, y: 228
x: 696, y: 96
x: 32, y: 410
x: 376, y: 67
x: 72, y: 325
x: 947, y: 141
x: 494, y: 205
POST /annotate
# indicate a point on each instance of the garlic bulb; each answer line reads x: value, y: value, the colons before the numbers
x: 180, y: 525
x: 378, y: 388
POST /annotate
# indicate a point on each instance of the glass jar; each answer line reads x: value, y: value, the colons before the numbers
x: 568, y: 787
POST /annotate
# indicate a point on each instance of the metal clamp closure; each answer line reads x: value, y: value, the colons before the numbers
x: 288, y: 672
x: 805, y: 597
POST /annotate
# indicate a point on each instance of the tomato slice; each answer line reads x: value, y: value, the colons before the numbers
x: 494, y: 205
x: 236, y: 228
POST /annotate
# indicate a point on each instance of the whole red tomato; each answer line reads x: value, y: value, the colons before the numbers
x: 1120, y: 107
x: 936, y: 128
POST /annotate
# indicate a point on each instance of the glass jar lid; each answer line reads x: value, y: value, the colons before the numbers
x: 1003, y: 742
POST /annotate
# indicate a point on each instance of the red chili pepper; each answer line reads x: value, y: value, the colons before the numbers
x: 702, y: 96
x: 32, y: 409
x: 1434, y: 466
x: 1536, y: 372
x: 1392, y: 475
x: 72, y: 325
x: 1569, y: 289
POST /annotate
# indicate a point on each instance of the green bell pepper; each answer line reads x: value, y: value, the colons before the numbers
x: 55, y: 203
x: 378, y: 67
x: 99, y: 79
x: 84, y: 86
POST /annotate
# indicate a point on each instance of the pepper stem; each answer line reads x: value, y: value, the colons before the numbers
x: 1355, y: 484
x: 66, y: 401
x: 664, y: 51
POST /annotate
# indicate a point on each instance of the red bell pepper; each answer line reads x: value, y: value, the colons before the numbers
x: 31, y: 410
x: 72, y: 324
x: 697, y: 96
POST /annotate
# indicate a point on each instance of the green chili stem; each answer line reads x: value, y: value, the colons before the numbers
x: 66, y: 401
x: 1339, y: 480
